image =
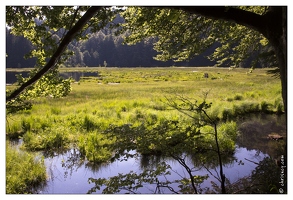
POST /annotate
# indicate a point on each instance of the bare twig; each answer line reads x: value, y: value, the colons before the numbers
x: 251, y: 161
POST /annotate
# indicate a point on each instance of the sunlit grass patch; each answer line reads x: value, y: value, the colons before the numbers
x: 140, y: 97
x: 25, y: 172
x: 95, y: 147
x: 49, y: 139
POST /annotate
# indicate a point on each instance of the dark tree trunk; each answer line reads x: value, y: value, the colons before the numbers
x: 276, y: 32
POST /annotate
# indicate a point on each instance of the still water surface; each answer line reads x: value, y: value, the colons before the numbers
x: 68, y: 175
x: 75, y: 180
x: 11, y: 76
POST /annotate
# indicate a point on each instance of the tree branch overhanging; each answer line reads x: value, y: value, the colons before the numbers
x: 61, y: 48
x: 242, y: 17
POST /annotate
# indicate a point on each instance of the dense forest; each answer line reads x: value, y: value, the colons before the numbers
x: 101, y: 49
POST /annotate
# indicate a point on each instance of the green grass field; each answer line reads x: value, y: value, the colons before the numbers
x: 121, y: 95
x: 132, y: 95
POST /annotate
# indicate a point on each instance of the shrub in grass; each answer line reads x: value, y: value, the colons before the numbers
x: 229, y: 99
x: 137, y: 115
x: 123, y: 108
x: 24, y: 172
x: 227, y: 133
x: 250, y: 94
x: 32, y: 141
x: 14, y: 130
x: 280, y: 108
x: 227, y: 136
x: 151, y: 118
x: 26, y: 124
x: 35, y: 123
x: 278, y: 104
x: 55, y: 138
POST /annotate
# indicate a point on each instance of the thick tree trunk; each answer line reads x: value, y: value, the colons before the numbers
x: 282, y: 56
x: 281, y: 52
x: 277, y: 35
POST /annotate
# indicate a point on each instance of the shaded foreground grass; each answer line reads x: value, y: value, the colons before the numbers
x: 135, y: 98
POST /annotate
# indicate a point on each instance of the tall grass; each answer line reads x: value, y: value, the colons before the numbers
x: 24, y: 171
x: 94, y: 104
x: 96, y: 147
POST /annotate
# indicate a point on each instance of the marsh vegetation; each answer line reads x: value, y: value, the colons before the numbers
x: 122, y: 110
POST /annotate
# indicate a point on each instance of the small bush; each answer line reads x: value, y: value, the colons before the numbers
x: 13, y: 130
x: 56, y: 138
x: 26, y: 124
x: 278, y: 104
x: 250, y: 94
x: 227, y: 114
x: 245, y: 107
x: 229, y: 99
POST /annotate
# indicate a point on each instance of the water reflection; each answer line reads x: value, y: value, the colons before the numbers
x: 255, y: 130
x: 11, y: 76
x: 70, y: 174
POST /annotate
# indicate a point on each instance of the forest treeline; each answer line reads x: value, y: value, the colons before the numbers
x: 100, y: 49
x: 104, y: 48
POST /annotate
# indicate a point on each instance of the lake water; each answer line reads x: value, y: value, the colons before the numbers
x: 11, y: 76
x: 69, y: 175
x: 74, y: 180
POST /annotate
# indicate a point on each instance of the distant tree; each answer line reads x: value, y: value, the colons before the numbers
x: 87, y: 58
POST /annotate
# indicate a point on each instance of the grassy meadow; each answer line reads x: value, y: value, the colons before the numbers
x: 134, y: 101
x: 133, y: 95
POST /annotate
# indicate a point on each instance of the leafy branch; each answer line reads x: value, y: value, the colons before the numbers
x: 190, y: 108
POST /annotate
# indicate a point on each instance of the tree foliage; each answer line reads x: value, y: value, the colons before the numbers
x: 182, y: 35
x: 241, y: 33
x: 50, y: 29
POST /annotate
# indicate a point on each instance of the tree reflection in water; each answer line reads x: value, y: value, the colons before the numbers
x: 161, y: 174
